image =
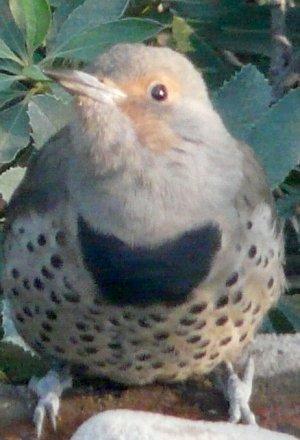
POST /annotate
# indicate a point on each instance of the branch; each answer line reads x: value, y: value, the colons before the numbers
x: 285, y: 65
x: 232, y: 58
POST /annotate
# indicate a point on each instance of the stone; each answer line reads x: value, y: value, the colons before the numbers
x: 139, y: 425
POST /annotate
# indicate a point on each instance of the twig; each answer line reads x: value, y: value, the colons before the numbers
x: 232, y: 58
x: 282, y: 49
x: 285, y: 65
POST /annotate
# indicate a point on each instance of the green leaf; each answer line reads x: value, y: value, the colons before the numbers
x: 14, y: 131
x: 8, y: 95
x: 33, y: 17
x: 5, y: 52
x: 9, y: 32
x: 19, y: 365
x: 88, y: 15
x: 243, y: 100
x: 17, y: 359
x: 287, y: 204
x: 276, y: 138
x: 9, y: 181
x: 182, y: 32
x: 230, y: 24
x: 289, y: 305
x: 6, y: 81
x: 266, y: 326
x: 87, y: 45
x: 34, y: 72
x: 201, y: 10
x: 10, y: 66
x: 60, y: 15
x: 240, y: 41
x: 47, y: 116
x: 60, y: 93
x: 280, y: 322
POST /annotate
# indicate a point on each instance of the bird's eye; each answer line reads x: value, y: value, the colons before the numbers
x: 159, y: 92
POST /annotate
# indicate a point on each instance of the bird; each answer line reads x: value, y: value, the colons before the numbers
x: 143, y: 244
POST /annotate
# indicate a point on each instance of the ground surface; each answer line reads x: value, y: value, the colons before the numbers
x: 276, y: 398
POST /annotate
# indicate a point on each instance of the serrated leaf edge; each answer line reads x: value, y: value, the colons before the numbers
x: 237, y: 75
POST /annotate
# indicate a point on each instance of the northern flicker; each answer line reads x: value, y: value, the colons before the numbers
x: 142, y: 243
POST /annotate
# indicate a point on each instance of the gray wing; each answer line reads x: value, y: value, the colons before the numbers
x: 254, y: 188
x: 44, y: 183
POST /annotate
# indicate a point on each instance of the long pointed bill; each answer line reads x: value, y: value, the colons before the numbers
x: 84, y: 84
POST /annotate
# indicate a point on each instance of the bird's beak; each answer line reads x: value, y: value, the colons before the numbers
x: 83, y: 84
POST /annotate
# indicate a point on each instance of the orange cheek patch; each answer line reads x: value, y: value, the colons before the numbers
x: 152, y: 132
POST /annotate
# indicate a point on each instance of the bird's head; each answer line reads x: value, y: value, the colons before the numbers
x: 150, y: 156
x: 137, y: 100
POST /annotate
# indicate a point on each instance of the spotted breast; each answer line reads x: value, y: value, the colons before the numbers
x: 136, y: 314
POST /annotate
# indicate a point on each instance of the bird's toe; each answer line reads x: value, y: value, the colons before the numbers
x: 48, y: 390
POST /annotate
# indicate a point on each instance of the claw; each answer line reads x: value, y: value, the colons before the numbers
x: 53, y: 409
x: 239, y: 392
x: 38, y: 419
x: 48, y: 390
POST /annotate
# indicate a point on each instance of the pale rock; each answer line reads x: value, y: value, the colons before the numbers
x: 140, y: 425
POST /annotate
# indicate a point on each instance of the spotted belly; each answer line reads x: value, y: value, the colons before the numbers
x: 141, y: 346
x: 56, y: 310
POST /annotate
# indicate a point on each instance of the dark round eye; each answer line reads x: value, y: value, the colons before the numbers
x: 159, y: 92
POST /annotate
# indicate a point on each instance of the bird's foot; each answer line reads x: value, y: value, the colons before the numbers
x: 48, y: 389
x: 238, y: 392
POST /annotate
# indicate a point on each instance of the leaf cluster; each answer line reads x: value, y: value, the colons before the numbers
x: 35, y: 34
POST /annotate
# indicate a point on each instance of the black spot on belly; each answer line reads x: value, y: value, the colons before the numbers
x: 56, y: 261
x: 157, y: 365
x: 222, y: 320
x: 226, y: 341
x: 15, y: 291
x: 46, y: 273
x: 38, y: 284
x: 47, y: 326
x: 222, y: 302
x: 44, y: 337
x: 27, y: 311
x: 87, y: 338
x: 193, y: 339
x: 51, y: 314
x: 30, y: 246
x: 232, y: 280
x: 15, y: 273
x: 142, y: 275
x: 157, y: 317
x: 198, y: 308
x: 26, y: 284
x: 199, y: 355
x: 54, y: 297
x: 19, y: 317
x: 252, y: 251
x: 41, y: 240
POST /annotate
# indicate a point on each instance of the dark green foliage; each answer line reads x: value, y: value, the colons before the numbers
x: 33, y: 36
